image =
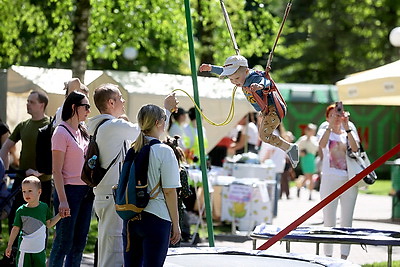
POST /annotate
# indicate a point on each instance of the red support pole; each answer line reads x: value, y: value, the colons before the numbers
x: 330, y: 198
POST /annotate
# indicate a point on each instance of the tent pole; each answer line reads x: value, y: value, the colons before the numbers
x: 199, y: 125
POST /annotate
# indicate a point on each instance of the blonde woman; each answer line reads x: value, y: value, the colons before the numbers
x: 150, y: 236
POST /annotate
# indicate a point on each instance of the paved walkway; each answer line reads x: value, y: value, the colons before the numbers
x: 371, y: 212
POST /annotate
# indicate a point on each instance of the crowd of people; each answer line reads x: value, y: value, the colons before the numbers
x: 72, y: 199
x: 164, y: 221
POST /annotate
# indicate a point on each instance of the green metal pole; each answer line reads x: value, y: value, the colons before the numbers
x: 203, y: 166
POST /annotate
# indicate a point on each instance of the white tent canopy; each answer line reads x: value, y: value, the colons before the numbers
x: 142, y: 88
x: 379, y: 86
x: 22, y: 79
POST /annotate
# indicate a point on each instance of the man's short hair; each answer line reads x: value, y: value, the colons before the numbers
x: 42, y: 97
x: 103, y: 93
x: 33, y: 180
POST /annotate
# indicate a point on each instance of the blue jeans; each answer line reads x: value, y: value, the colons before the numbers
x: 149, y: 241
x: 71, y: 232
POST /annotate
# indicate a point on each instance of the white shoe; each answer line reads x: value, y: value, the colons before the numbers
x: 293, y: 154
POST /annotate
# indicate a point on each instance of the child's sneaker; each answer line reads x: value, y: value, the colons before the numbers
x: 293, y: 155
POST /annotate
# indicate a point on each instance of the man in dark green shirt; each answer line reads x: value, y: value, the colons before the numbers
x: 26, y: 132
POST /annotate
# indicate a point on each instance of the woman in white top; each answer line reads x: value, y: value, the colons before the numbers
x: 149, y: 237
x: 334, y: 141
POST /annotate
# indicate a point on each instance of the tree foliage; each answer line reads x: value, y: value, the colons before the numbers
x: 155, y: 28
x: 41, y: 33
x: 326, y: 40
x: 35, y: 30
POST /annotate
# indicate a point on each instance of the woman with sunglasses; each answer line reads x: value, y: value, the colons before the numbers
x: 73, y: 199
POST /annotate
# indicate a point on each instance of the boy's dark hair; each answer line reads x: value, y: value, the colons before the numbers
x: 32, y: 180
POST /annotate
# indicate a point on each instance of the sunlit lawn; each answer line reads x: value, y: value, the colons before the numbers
x: 380, y: 187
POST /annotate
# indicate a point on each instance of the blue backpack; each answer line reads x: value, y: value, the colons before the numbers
x: 130, y: 194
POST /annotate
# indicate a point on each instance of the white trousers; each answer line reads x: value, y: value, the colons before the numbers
x: 110, y: 246
x: 347, y: 204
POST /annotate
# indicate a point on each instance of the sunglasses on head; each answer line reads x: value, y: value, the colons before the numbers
x: 87, y: 106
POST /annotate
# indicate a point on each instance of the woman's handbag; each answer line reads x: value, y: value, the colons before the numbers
x: 357, y: 162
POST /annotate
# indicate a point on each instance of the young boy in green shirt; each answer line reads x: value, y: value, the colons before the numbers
x: 30, y: 223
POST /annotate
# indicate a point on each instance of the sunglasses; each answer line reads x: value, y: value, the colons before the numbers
x: 87, y: 106
x: 164, y: 118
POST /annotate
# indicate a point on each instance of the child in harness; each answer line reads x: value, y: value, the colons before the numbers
x: 262, y: 94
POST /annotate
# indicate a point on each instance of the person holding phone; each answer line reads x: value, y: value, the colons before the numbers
x: 333, y: 141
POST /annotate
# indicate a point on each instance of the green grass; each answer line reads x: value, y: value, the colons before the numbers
x: 380, y: 187
x: 218, y: 229
x: 382, y: 264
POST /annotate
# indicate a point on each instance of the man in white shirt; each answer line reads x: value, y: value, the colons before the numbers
x: 114, y: 138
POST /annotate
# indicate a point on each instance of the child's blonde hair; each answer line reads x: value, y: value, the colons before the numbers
x: 33, y: 180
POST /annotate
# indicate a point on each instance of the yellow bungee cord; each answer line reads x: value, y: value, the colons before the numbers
x: 231, y: 110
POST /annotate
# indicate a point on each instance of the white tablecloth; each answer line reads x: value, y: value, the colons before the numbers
x: 251, y: 211
x: 256, y: 209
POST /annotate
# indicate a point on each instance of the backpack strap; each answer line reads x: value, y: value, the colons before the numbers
x: 142, y: 160
x: 158, y: 185
x: 97, y: 128
x: 65, y: 127
x: 94, y: 139
x: 115, y: 159
x: 53, y: 119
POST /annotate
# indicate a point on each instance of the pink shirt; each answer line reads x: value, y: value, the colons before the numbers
x: 74, y: 150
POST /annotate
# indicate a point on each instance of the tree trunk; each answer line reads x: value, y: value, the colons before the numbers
x: 81, y: 36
